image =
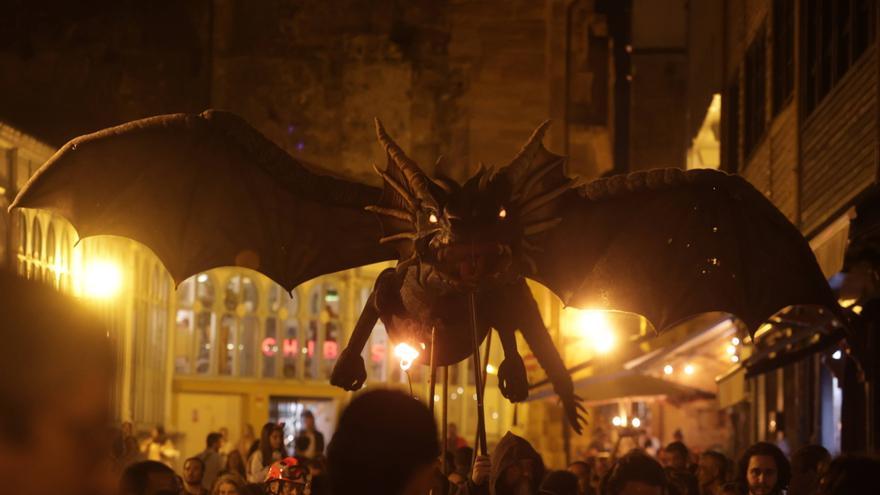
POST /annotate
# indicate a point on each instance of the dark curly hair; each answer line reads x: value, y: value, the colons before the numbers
x: 783, y: 468
x: 634, y: 466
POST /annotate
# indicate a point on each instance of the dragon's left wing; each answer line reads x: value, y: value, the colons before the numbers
x: 669, y: 244
x: 208, y: 190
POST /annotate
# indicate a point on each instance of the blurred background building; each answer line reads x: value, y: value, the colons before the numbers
x: 783, y: 92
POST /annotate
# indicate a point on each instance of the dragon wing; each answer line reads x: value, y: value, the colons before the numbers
x: 670, y: 244
x: 208, y: 190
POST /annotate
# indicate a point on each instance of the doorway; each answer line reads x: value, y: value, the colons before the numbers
x: 288, y: 410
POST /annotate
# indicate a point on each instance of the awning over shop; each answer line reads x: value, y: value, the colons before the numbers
x: 792, y: 346
x: 732, y: 387
x: 627, y: 385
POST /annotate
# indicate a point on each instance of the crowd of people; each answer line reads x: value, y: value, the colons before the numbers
x: 54, y: 439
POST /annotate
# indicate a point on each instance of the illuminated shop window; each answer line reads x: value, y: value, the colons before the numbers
x: 184, y: 334
x: 288, y: 315
x: 323, y: 331
x: 205, y: 327
x: 52, y: 268
x: 34, y: 269
x: 65, y: 264
x: 269, y: 348
x: 279, y: 347
x: 226, y: 344
x: 22, y: 244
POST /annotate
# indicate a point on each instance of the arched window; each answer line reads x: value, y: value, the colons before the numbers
x: 205, y: 323
x: 65, y: 263
x: 52, y: 271
x: 226, y: 344
x: 291, y: 346
x: 35, y: 270
x: 322, y: 339
x: 239, y: 327
x: 22, y: 244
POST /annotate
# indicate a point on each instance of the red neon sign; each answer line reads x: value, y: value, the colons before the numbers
x: 290, y: 348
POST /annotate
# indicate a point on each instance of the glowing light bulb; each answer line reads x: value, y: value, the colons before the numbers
x: 616, y: 421
x: 596, y: 330
x: 667, y: 370
x: 735, y: 341
x: 837, y: 355
x: 636, y: 422
x: 407, y: 354
x: 102, y: 279
x: 689, y: 369
x: 731, y: 350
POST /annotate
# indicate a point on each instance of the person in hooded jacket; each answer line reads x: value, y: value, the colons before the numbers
x: 513, y: 468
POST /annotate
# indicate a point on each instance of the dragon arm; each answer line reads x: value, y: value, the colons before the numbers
x: 520, y: 310
x: 350, y: 373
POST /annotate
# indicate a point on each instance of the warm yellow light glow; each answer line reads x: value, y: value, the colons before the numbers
x: 617, y: 421
x: 202, y: 278
x: 636, y: 422
x: 857, y: 309
x: 731, y: 350
x: 102, y: 279
x: 735, y: 341
x: 667, y: 370
x: 407, y: 354
x: 734, y: 358
x: 689, y: 369
x: 596, y: 330
x: 491, y: 369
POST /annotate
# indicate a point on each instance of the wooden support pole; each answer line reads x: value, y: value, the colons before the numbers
x: 444, y: 418
x: 478, y: 379
x: 433, y: 376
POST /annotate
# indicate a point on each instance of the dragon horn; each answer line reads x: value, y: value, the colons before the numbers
x: 519, y: 166
x: 415, y: 178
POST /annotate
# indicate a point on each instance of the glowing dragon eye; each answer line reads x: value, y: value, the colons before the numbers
x: 432, y: 218
x: 502, y: 213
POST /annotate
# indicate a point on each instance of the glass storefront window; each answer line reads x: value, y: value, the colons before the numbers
x: 205, y: 290
x: 186, y: 293
x: 52, y: 271
x: 249, y: 329
x: 269, y: 346
x: 226, y: 344
x: 36, y: 251
x: 22, y: 244
x: 184, y: 340
x: 241, y: 295
x: 205, y: 330
x: 290, y: 348
x: 65, y: 263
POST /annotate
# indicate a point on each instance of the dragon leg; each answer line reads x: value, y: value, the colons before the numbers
x: 532, y: 327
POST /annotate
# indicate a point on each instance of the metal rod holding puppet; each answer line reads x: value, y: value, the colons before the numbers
x: 478, y: 379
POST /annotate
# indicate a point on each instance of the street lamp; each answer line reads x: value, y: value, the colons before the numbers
x: 596, y: 330
x: 102, y: 279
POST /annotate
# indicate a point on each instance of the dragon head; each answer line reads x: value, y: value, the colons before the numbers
x: 476, y: 233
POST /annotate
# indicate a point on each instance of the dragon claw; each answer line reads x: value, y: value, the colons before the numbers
x: 349, y: 373
x: 575, y: 411
x: 512, y: 379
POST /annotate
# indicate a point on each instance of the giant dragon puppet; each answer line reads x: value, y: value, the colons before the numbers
x: 207, y: 190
